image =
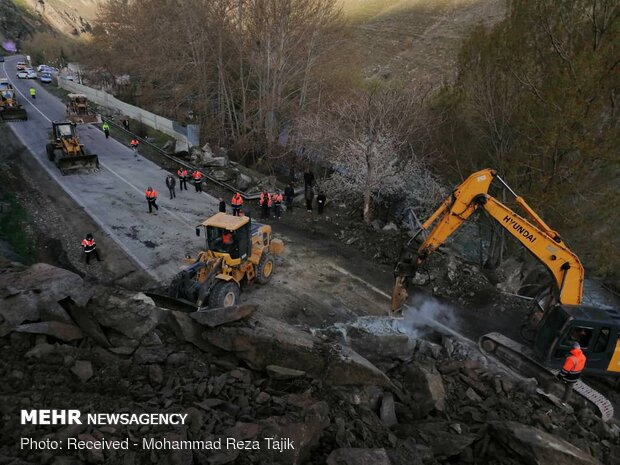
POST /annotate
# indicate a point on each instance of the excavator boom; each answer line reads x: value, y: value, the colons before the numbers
x: 538, y: 238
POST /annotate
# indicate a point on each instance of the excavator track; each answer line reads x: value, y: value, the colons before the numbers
x: 522, y: 359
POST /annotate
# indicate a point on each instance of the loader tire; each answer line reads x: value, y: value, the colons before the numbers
x: 50, y: 152
x: 265, y: 268
x: 224, y: 294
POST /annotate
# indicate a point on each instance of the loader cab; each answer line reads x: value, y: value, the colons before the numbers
x: 596, y: 330
x: 63, y: 131
x: 228, y: 234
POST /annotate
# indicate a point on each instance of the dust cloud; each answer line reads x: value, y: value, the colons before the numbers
x: 422, y: 310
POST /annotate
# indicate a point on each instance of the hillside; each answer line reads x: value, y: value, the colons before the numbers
x: 416, y: 40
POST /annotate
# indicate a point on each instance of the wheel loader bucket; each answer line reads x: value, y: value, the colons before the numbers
x: 14, y: 114
x: 85, y: 119
x: 78, y: 162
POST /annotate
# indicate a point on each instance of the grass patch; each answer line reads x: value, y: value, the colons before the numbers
x: 13, y: 225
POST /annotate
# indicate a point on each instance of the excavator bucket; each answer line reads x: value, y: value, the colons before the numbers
x: 78, y: 162
x: 13, y: 114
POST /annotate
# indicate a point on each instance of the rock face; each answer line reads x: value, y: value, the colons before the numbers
x: 535, y: 447
x: 213, y: 317
x: 32, y: 293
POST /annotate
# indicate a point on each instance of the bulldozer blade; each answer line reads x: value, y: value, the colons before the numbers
x: 14, y: 114
x: 78, y: 162
x: 399, y: 296
x: 165, y: 301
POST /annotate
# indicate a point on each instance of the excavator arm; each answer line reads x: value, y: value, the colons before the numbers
x: 543, y: 242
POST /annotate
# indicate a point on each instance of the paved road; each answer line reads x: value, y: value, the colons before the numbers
x: 114, y: 196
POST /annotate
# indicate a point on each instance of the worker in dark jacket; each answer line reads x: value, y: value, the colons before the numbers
x: 90, y: 248
x: 170, y: 183
x: 571, y: 370
x: 309, y: 195
x: 151, y: 198
x: 320, y: 201
x: 222, y: 205
x: 308, y: 178
x: 289, y: 196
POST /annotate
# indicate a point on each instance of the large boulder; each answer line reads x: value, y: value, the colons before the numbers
x: 262, y: 341
x: 55, y: 329
x: 131, y: 314
x: 213, y: 317
x: 535, y: 447
x: 426, y: 387
x: 32, y: 293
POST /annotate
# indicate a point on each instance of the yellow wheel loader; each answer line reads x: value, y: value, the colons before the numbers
x: 66, y: 150
x: 78, y: 111
x: 238, y: 252
x: 10, y: 109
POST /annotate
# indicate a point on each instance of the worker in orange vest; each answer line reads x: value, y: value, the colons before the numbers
x: 237, y: 203
x: 90, y: 248
x: 277, y: 204
x: 265, y: 204
x: 572, y: 368
x: 134, y: 145
x: 197, y: 176
x: 151, y: 198
x: 182, y: 174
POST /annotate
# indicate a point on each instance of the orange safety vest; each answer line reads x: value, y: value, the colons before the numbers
x: 89, y: 245
x: 182, y: 173
x: 265, y: 200
x: 134, y: 142
x: 151, y: 194
x: 277, y: 198
x: 227, y: 238
x: 237, y: 200
x: 573, y: 365
x: 197, y: 175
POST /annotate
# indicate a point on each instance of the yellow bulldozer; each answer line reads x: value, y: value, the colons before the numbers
x: 10, y: 109
x: 78, y: 111
x: 66, y: 150
x: 238, y: 252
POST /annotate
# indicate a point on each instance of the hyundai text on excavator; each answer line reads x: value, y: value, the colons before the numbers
x: 561, y: 318
x: 66, y: 150
x: 10, y: 108
x: 238, y: 252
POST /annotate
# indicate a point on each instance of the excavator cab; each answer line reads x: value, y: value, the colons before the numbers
x: 229, y: 235
x: 597, y: 331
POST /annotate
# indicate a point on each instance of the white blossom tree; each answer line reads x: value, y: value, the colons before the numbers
x: 367, y: 141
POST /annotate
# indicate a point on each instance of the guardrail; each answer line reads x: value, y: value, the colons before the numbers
x: 178, y: 161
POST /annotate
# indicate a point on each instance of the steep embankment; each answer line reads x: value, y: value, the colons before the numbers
x: 415, y: 40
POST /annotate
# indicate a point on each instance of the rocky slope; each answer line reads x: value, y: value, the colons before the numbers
x: 367, y: 392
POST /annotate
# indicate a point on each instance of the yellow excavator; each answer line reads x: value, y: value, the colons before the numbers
x: 78, y: 110
x: 561, y: 318
x: 10, y: 108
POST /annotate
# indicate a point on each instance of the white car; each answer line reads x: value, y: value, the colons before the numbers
x: 22, y: 75
x: 45, y: 78
x: 31, y: 73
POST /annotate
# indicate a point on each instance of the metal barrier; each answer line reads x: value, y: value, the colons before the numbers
x: 183, y: 163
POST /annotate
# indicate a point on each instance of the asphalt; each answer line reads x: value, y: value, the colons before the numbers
x: 114, y: 195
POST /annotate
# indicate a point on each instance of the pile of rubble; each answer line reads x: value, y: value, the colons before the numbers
x: 367, y: 393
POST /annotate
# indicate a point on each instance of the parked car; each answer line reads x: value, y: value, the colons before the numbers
x: 45, y: 78
x: 22, y: 74
x: 32, y: 74
x: 21, y: 65
x: 1, y: 59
